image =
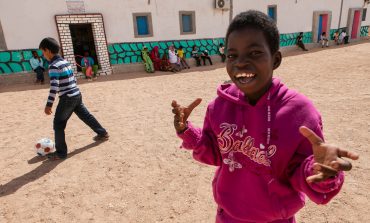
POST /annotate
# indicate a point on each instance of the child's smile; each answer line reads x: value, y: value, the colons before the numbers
x: 250, y: 63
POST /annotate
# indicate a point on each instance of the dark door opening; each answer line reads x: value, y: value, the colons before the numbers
x: 83, y: 41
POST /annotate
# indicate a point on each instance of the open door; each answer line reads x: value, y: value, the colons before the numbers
x: 83, y: 41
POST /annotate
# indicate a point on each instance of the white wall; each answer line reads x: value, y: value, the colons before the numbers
x: 26, y: 22
x: 296, y: 15
x: 210, y: 23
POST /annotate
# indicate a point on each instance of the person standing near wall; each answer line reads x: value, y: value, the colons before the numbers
x: 299, y: 43
x: 37, y: 66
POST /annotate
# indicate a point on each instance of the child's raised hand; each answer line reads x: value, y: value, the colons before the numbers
x: 328, y: 158
x: 182, y: 114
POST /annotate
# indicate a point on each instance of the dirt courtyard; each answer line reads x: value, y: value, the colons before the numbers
x: 140, y: 174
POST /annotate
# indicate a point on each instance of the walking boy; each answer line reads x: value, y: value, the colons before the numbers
x: 63, y: 82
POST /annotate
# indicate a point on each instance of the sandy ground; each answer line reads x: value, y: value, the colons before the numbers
x: 141, y: 175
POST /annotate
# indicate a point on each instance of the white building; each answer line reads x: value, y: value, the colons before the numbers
x: 114, y: 31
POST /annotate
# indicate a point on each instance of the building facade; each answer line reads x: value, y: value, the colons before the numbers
x: 114, y: 31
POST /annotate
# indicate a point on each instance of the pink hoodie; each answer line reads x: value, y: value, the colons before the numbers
x: 256, y: 182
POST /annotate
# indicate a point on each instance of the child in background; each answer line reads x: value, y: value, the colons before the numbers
x: 324, y: 40
x: 205, y: 56
x: 37, y: 66
x: 221, y: 50
x: 195, y: 55
x: 266, y: 139
x: 180, y: 54
x: 63, y: 82
x: 87, y: 62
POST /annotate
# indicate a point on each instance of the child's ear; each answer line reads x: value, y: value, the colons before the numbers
x: 277, y: 59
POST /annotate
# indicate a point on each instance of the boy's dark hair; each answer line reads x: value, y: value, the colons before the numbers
x: 50, y: 44
x: 257, y: 20
x: 34, y: 51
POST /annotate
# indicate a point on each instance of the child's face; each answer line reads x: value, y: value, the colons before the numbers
x: 250, y: 63
x: 47, y: 54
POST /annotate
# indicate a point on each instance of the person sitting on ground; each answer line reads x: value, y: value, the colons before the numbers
x: 149, y: 68
x: 343, y: 39
x: 87, y: 63
x: 165, y: 64
x: 299, y: 42
x: 324, y: 40
x: 195, y: 55
x: 180, y: 54
x: 156, y: 59
x: 174, y: 60
x: 221, y: 50
x: 37, y: 66
x: 336, y: 37
x: 206, y: 56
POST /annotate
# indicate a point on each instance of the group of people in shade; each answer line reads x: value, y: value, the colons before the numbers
x: 86, y: 65
x: 339, y: 38
x: 174, y: 60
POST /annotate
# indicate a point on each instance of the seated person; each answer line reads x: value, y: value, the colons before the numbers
x: 299, y: 42
x: 165, y: 64
x: 324, y: 40
x: 156, y: 59
x: 149, y: 68
x: 221, y: 50
x: 206, y: 56
x: 87, y: 62
x: 173, y: 58
x: 195, y: 54
x: 37, y: 66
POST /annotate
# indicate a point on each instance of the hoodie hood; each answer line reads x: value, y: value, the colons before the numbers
x: 278, y: 91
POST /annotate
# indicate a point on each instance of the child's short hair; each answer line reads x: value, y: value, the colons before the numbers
x: 257, y: 20
x: 50, y: 44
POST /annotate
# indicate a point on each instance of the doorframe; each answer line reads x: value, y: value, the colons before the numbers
x: 351, y: 15
x: 315, y: 24
x: 100, y: 40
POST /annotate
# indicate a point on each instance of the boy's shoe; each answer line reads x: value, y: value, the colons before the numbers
x: 55, y: 156
x: 102, y: 137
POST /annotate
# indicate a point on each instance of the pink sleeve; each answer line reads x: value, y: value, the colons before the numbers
x: 301, y: 167
x: 203, y: 142
x: 320, y: 193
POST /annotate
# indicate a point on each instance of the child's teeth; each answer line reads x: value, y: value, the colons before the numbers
x: 244, y: 75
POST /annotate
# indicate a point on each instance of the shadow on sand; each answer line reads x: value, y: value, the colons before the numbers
x: 46, y: 166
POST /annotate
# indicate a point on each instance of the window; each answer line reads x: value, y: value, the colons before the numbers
x: 143, y: 24
x: 364, y: 14
x: 2, y: 39
x: 271, y: 11
x: 187, y: 22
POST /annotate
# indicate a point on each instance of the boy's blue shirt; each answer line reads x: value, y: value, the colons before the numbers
x: 62, y: 80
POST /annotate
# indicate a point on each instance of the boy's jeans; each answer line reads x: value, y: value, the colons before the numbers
x: 66, y: 106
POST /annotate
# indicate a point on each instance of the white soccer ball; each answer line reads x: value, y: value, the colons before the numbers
x: 44, y: 146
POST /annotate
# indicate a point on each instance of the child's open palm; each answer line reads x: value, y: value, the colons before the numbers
x: 328, y: 158
x: 182, y: 114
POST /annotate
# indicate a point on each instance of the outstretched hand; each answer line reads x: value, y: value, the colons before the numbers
x: 328, y: 158
x: 182, y: 114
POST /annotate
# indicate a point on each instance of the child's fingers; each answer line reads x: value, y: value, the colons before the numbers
x: 326, y: 170
x: 310, y: 135
x: 194, y: 104
x: 348, y: 154
x: 174, y: 104
x: 315, y: 178
x: 341, y: 164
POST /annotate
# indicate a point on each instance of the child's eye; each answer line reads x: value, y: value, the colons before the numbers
x: 256, y: 53
x: 231, y: 56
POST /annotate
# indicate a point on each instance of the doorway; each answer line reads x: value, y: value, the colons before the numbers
x: 323, y: 24
x: 355, y: 24
x: 83, y: 41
